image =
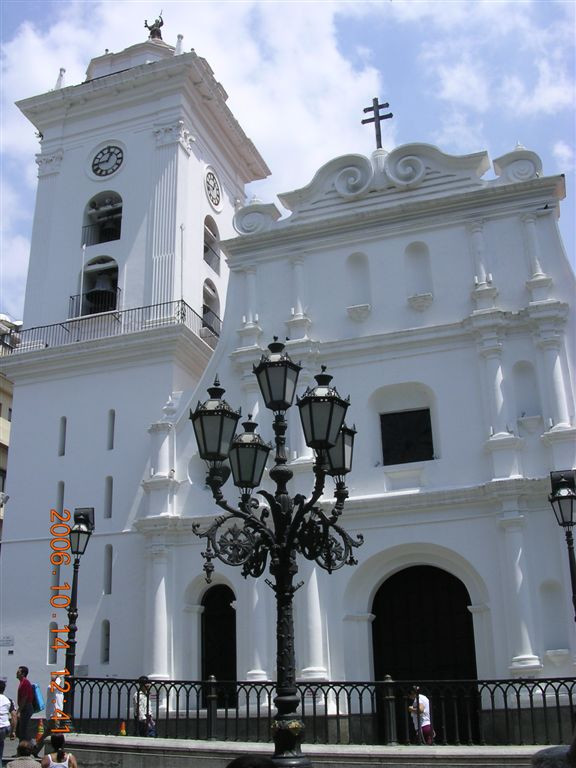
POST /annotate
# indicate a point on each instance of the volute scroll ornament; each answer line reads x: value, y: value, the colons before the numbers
x: 354, y: 179
x: 256, y: 217
x: 405, y: 170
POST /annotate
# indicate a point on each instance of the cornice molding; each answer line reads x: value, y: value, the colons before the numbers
x: 174, y: 343
x: 377, y: 217
x: 488, y: 495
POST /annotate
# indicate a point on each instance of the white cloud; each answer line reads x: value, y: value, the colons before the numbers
x: 459, y: 131
x: 553, y: 91
x: 565, y: 156
x: 13, y: 270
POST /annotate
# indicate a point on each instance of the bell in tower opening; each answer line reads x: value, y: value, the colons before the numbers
x: 101, y: 291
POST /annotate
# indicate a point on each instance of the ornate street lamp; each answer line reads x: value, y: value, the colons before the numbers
x: 287, y: 526
x: 562, y: 500
x: 79, y: 537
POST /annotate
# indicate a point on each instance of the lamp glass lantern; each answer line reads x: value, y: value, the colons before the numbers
x: 340, y: 455
x: 277, y: 377
x: 81, y: 530
x: 322, y: 413
x: 563, y: 496
x: 248, y: 455
x: 214, y: 425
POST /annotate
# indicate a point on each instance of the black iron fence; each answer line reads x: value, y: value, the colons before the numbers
x: 464, y: 712
x: 106, y: 324
x: 94, y: 302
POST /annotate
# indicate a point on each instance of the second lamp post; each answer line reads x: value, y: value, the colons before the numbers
x: 285, y: 526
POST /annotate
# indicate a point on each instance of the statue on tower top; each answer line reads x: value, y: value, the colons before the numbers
x: 154, y: 28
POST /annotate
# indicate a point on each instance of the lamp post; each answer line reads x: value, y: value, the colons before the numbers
x: 286, y: 526
x: 562, y: 500
x: 79, y: 537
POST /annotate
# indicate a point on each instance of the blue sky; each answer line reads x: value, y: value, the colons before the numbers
x: 465, y: 76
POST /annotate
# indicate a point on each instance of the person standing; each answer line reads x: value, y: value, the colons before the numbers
x: 25, y: 700
x: 420, y: 711
x: 145, y: 724
x: 7, y: 717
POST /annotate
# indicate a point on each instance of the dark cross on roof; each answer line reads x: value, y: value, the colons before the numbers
x: 376, y: 107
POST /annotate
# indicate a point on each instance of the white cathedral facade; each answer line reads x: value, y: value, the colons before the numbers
x: 438, y: 298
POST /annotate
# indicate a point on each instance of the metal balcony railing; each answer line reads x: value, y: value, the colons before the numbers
x: 103, y: 231
x: 464, y: 712
x: 211, y: 320
x: 106, y: 324
x: 94, y: 302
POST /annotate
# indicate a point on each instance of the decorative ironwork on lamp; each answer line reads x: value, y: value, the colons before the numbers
x: 252, y: 533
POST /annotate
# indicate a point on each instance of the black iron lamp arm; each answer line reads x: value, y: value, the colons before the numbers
x: 303, y: 506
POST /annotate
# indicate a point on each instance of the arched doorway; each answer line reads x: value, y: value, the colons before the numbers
x: 219, y: 640
x: 423, y: 630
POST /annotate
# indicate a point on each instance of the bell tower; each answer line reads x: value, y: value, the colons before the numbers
x: 140, y: 170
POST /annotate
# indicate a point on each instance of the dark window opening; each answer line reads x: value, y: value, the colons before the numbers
x: 219, y: 642
x: 406, y: 436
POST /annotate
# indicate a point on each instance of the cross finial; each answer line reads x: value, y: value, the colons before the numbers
x: 375, y: 108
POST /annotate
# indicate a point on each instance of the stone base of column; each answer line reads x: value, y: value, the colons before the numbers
x: 561, y: 441
x: 314, y: 673
x: 525, y: 663
x: 505, y: 448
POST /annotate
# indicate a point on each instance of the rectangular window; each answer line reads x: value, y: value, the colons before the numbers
x: 9, y: 414
x: 406, y: 436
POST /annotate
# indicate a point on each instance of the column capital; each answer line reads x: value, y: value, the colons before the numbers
x: 174, y: 133
x: 49, y: 163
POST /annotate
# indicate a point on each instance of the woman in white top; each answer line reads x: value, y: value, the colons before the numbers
x: 59, y: 756
x: 7, y: 717
x: 420, y: 711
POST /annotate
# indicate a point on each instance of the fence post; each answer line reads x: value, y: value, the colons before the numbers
x: 391, y: 737
x: 211, y: 708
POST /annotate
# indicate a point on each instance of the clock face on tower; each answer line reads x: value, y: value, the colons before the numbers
x: 107, y: 160
x: 213, y: 188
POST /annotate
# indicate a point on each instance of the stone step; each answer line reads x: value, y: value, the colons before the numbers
x: 132, y: 752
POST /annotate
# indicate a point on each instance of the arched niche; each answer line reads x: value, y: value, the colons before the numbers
x: 526, y: 394
x: 102, y: 220
x: 211, y: 244
x: 418, y: 275
x: 358, y: 286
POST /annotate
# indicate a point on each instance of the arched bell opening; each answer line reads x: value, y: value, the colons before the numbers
x: 211, y: 244
x: 102, y: 219
x: 99, y: 290
x: 211, y: 308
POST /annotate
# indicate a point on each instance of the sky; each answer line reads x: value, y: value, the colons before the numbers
x: 465, y: 76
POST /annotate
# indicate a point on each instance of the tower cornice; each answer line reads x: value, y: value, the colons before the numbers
x: 188, y: 73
